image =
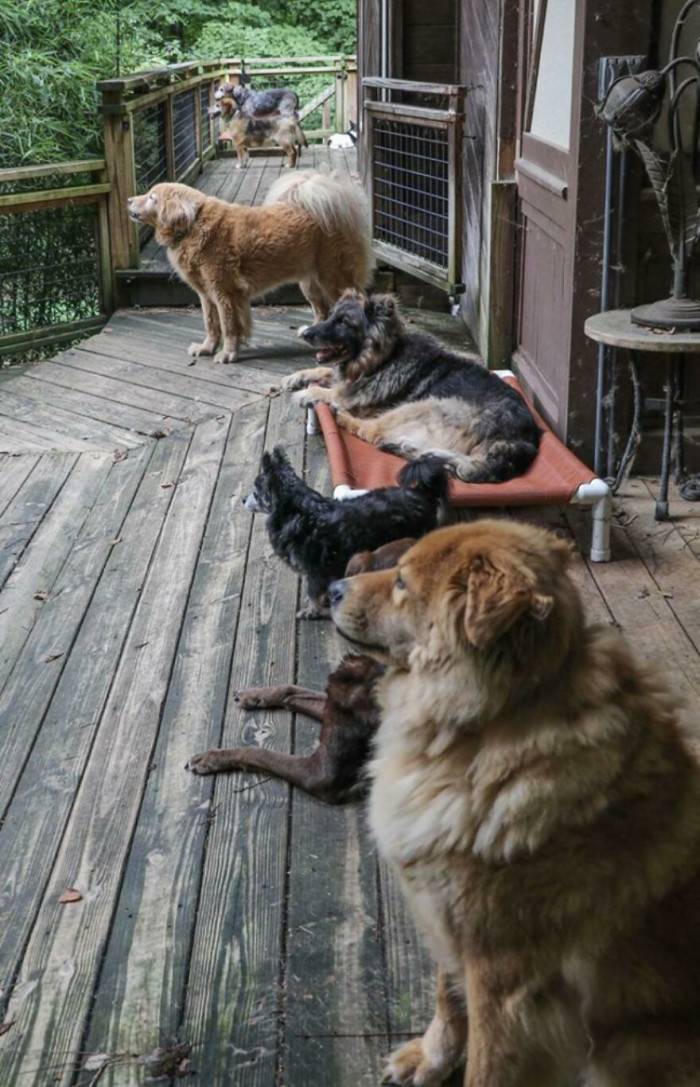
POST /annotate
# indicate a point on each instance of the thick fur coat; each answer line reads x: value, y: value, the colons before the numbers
x: 534, y: 792
x: 280, y: 100
x: 246, y: 132
x: 311, y: 230
x: 408, y: 394
x: 317, y: 536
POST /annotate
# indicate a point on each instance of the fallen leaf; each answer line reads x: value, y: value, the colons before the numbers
x: 116, y: 540
x: 41, y: 595
x: 4, y: 1027
x: 668, y: 593
x: 120, y: 454
x: 164, y: 485
x: 52, y: 657
x: 71, y: 895
x: 160, y: 433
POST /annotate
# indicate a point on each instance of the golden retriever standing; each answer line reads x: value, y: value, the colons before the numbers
x: 312, y: 230
x: 532, y: 789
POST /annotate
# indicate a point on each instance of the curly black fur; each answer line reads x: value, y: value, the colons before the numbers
x: 380, y: 366
x: 317, y: 536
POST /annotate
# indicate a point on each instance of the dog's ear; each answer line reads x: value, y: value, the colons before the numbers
x: 266, y: 462
x: 380, y: 307
x: 176, y: 212
x: 496, y: 598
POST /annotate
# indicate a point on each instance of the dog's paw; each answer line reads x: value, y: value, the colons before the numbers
x: 206, y: 762
x: 226, y: 356
x: 316, y: 394
x: 314, y: 611
x: 251, y: 698
x: 197, y: 349
x: 294, y: 381
x: 408, y: 1066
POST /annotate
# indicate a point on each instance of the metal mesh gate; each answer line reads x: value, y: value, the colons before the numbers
x: 414, y: 177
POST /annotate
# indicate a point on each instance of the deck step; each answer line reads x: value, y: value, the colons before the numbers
x: 159, y: 287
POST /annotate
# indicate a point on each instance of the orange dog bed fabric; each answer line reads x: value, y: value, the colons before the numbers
x: 552, y: 479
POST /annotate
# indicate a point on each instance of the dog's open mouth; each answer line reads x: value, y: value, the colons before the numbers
x: 331, y: 354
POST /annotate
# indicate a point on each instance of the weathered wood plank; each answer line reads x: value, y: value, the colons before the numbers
x: 335, y: 1016
x: 212, y: 381
x: 20, y: 436
x: 138, y: 373
x: 142, y: 980
x: 233, y: 995
x: 27, y: 509
x: 52, y: 998
x: 35, y: 819
x: 67, y: 424
x: 135, y: 419
x: 13, y: 473
x: 43, y: 561
x: 644, y: 615
x: 114, y: 391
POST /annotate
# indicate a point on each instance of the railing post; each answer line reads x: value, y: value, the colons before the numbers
x: 107, y: 280
x: 121, y: 175
x: 340, y: 123
x: 351, y: 103
x: 169, y: 137
x: 198, y: 125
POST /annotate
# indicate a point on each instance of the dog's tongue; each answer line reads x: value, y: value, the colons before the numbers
x: 324, y: 354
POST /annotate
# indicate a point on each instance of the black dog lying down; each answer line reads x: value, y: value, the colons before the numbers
x: 317, y: 536
x: 408, y: 394
x: 346, y: 709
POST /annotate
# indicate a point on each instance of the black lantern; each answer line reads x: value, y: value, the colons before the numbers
x: 631, y: 107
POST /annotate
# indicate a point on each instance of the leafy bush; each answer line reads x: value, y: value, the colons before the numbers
x: 52, y: 52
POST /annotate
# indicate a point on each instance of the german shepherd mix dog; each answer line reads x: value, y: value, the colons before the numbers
x: 312, y: 229
x: 408, y: 394
x: 531, y: 786
x: 245, y: 132
x: 347, y: 710
x: 317, y: 536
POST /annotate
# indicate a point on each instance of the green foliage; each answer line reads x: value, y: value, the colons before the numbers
x: 53, y: 51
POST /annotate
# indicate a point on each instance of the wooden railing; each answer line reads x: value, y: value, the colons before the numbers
x: 64, y: 230
x: 412, y: 171
x: 56, y: 280
x: 157, y: 124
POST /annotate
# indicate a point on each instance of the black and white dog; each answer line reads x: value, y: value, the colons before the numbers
x: 280, y: 100
x: 408, y: 394
x: 317, y: 536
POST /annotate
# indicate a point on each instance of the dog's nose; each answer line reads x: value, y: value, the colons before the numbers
x: 336, y: 591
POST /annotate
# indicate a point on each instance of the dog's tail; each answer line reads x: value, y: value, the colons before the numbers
x: 427, y: 474
x: 337, y: 204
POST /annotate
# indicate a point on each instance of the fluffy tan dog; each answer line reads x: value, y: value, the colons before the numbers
x: 533, y: 790
x: 312, y: 230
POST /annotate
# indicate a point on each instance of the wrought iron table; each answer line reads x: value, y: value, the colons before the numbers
x: 615, y: 329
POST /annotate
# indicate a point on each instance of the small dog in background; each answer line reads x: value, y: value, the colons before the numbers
x: 346, y: 709
x: 252, y: 103
x: 246, y: 132
x: 346, y: 140
x: 317, y: 536
x: 409, y: 394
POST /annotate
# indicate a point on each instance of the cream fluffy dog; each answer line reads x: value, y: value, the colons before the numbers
x: 312, y: 230
x: 532, y: 789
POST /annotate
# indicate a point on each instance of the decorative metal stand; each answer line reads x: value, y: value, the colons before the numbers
x: 631, y: 107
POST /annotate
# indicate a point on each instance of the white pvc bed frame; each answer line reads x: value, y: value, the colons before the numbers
x: 595, y: 495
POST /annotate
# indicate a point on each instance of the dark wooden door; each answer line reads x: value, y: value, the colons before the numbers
x: 546, y: 172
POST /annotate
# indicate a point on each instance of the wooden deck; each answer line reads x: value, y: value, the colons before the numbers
x: 149, y: 917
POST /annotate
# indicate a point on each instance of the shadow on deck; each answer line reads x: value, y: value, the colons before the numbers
x: 139, y: 903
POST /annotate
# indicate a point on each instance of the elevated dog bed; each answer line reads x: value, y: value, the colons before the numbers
x: 556, y: 477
